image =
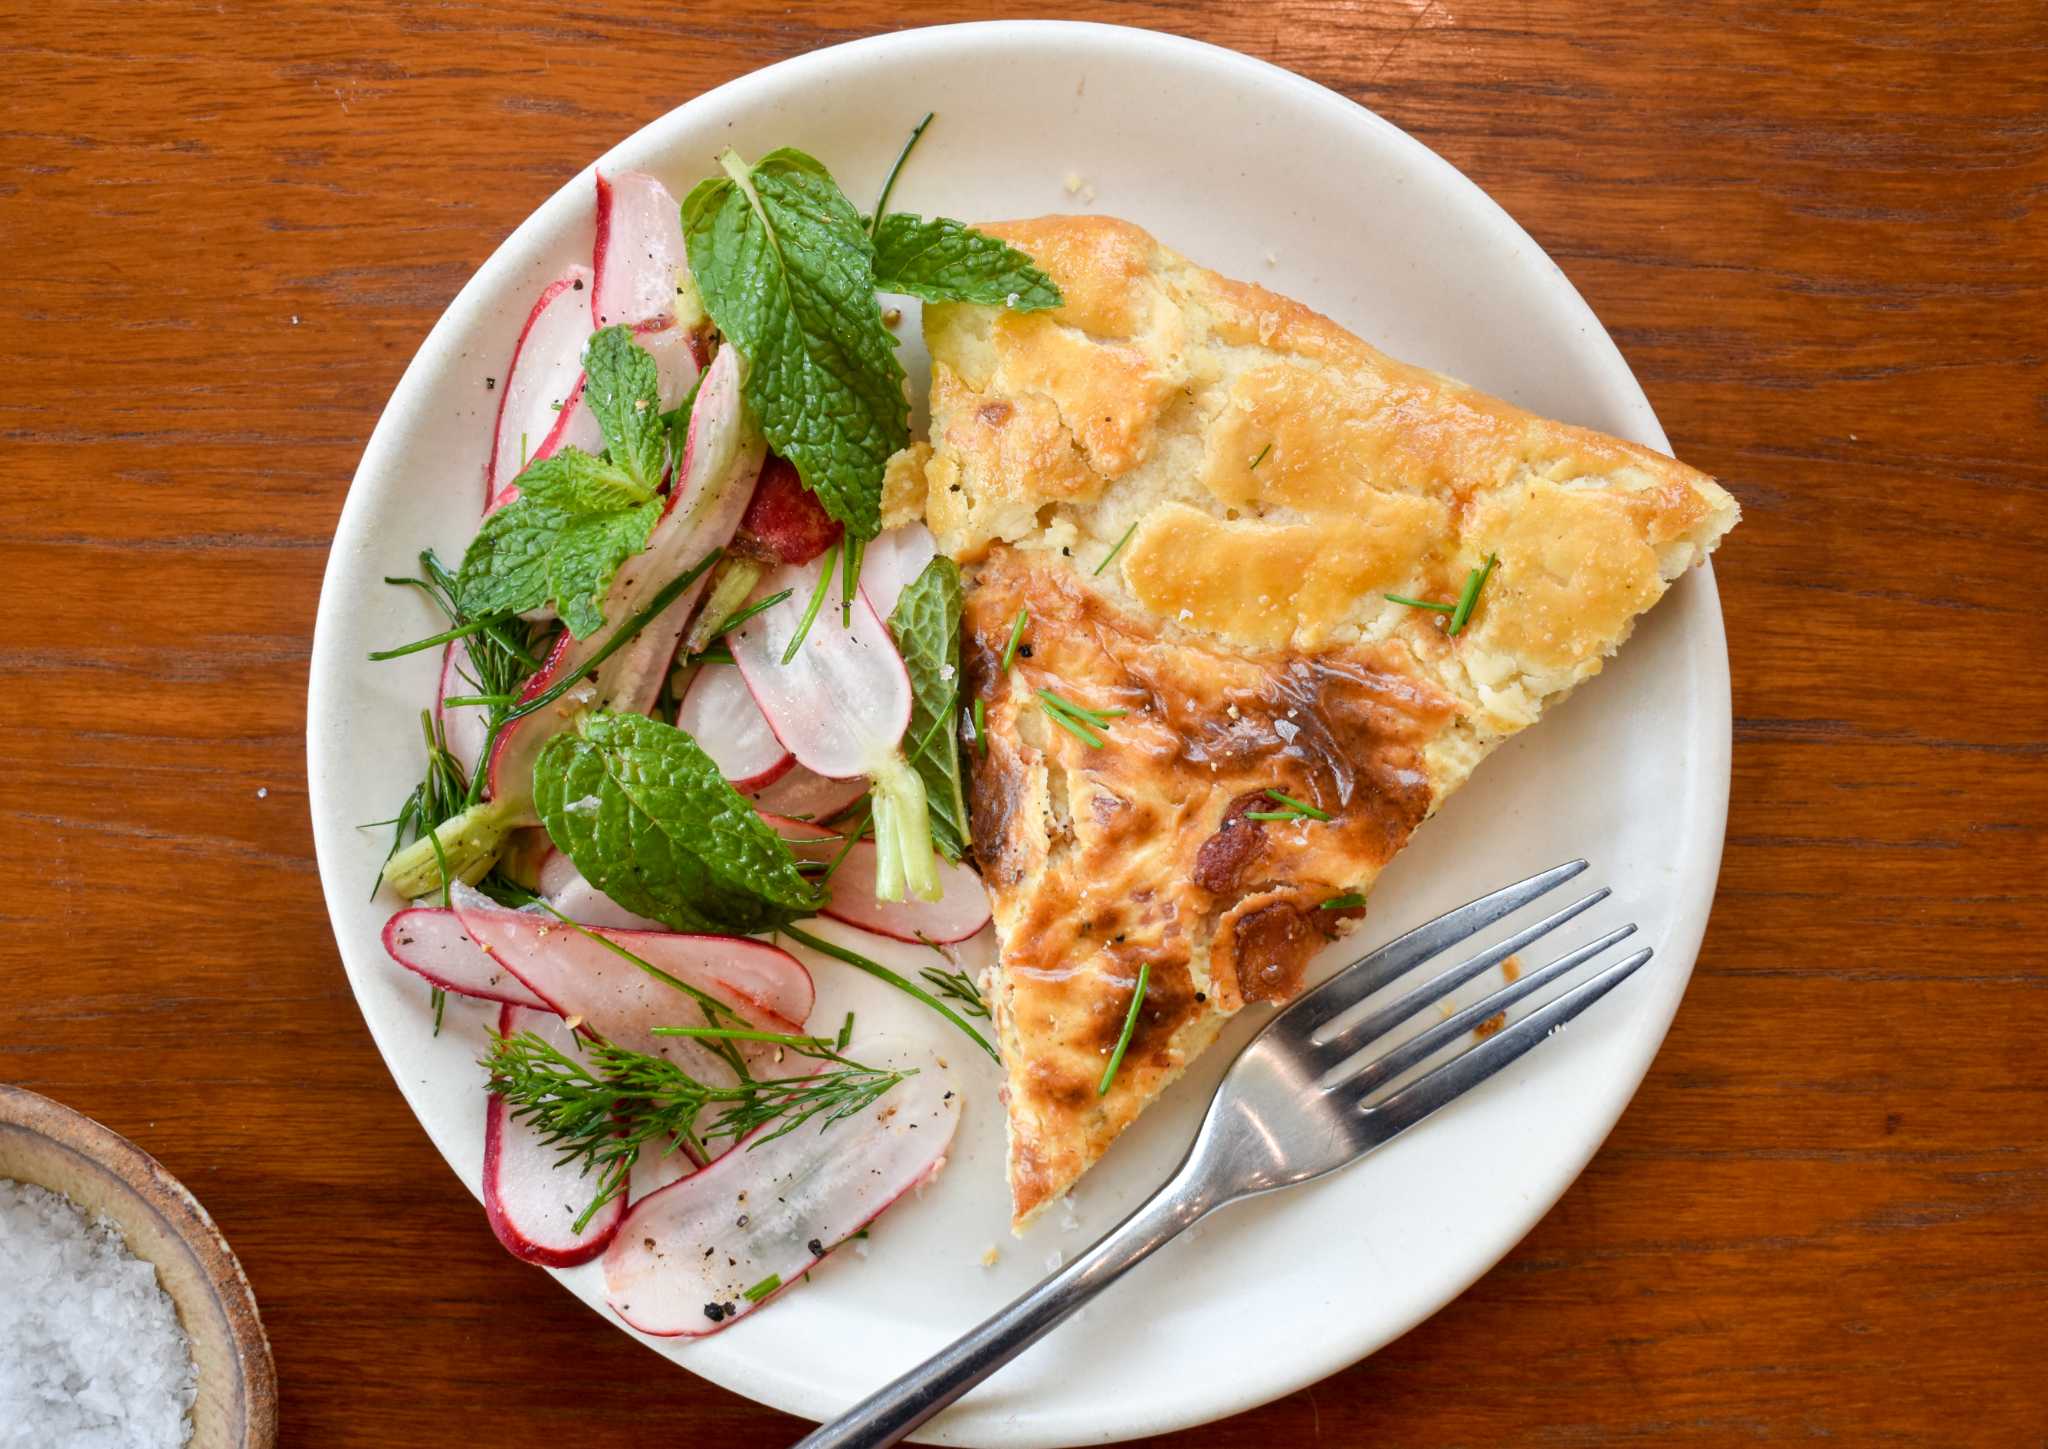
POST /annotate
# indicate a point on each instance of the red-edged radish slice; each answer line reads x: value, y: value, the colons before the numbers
x: 683, y: 1253
x: 841, y: 705
x: 639, y: 252
x: 959, y: 912
x: 531, y: 1198
x: 464, y: 727
x: 568, y: 892
x: 719, y: 713
x: 801, y: 794
x: 546, y: 371
x: 429, y: 941
x: 892, y: 561
x: 655, y: 1168
x: 785, y: 522
x: 607, y: 994
x: 722, y: 457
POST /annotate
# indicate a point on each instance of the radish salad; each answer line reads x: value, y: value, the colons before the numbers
x: 691, y: 696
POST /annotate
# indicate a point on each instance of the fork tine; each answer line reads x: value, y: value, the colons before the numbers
x: 1425, y: 1044
x: 1447, y: 1083
x: 1405, y: 952
x: 1337, y: 1045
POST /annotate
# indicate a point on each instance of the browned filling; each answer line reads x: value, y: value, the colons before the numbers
x: 1146, y: 850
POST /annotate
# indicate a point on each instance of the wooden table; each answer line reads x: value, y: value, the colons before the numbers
x: 1817, y: 233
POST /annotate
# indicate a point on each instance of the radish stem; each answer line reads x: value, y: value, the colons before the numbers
x: 462, y: 848
x: 903, y: 832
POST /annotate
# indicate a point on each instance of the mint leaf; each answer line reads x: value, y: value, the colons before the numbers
x: 587, y: 553
x: 926, y: 626
x: 576, y: 519
x: 624, y: 390
x: 787, y: 273
x: 649, y: 821
x: 942, y: 260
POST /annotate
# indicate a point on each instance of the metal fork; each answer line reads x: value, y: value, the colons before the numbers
x: 1300, y: 1101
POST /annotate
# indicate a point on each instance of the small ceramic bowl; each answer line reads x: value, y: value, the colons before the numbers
x: 104, y: 1173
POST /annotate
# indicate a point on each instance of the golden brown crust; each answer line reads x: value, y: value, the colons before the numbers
x: 1264, y: 479
x: 1142, y: 851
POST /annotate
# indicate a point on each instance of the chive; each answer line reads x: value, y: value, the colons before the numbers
x: 671, y: 591
x: 440, y: 1000
x: 811, y: 611
x: 883, y: 973
x: 1116, y: 1058
x: 740, y: 616
x: 460, y: 699
x: 1262, y: 456
x: 1474, y: 582
x: 727, y: 1033
x: 1118, y: 549
x: 1016, y: 636
x: 460, y: 631
x: 980, y: 726
x: 1071, y: 725
x: 1420, y: 603
x: 1348, y: 901
x: 1302, y: 805
x: 1081, y: 714
x: 763, y: 1288
x: 882, y: 201
x: 856, y: 551
x: 712, y: 656
x: 1272, y: 815
x: 846, y: 1032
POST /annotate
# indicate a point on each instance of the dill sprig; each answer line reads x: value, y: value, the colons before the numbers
x: 956, y: 986
x: 602, y: 1114
x: 882, y: 973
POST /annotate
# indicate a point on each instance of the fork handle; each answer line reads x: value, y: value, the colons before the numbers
x: 886, y: 1415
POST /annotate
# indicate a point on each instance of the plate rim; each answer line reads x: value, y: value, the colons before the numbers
x: 1709, y: 664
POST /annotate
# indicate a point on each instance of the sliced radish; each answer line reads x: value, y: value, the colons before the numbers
x: 892, y: 561
x: 802, y: 794
x: 841, y: 705
x: 530, y: 1196
x: 463, y: 727
x: 542, y: 382
x: 429, y: 941
x: 582, y: 978
x: 719, y: 713
x: 639, y: 252
x: 568, y: 892
x: 784, y: 522
x: 960, y: 911
x: 721, y: 459
x: 689, y: 1247
x: 655, y: 1168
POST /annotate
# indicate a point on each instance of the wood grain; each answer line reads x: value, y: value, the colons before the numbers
x: 1815, y: 231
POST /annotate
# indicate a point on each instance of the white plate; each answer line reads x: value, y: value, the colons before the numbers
x: 1262, y: 175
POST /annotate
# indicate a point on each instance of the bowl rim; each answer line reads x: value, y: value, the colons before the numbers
x: 140, y: 1179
